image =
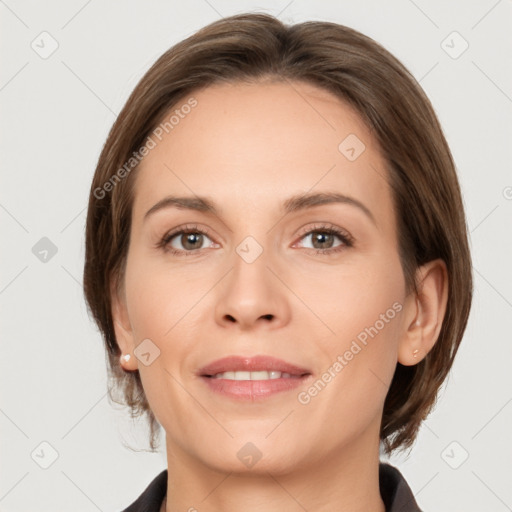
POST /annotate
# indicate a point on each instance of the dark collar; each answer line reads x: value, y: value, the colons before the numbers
x: 395, y: 492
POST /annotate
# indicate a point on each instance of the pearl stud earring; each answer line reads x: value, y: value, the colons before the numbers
x: 415, y: 353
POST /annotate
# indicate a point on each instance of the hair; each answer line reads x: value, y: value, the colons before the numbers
x: 252, y: 48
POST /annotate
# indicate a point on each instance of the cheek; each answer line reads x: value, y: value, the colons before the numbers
x: 350, y: 390
x: 160, y: 307
x: 159, y: 298
x: 363, y: 310
x: 369, y: 294
x: 163, y: 306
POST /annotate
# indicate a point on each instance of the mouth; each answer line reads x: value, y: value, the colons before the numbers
x: 258, y: 375
x: 252, y: 378
x: 258, y: 367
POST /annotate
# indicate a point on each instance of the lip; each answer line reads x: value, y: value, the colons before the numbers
x: 252, y: 364
x: 252, y: 390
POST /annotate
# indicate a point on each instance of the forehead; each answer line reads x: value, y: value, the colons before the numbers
x: 255, y: 144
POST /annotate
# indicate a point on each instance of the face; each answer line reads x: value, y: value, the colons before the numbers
x: 315, y: 283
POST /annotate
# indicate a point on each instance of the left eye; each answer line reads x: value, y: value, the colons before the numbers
x: 324, y: 239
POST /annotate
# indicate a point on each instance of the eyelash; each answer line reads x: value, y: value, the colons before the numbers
x: 329, y: 229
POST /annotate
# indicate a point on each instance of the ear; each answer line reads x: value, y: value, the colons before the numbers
x: 424, y: 313
x: 122, y: 327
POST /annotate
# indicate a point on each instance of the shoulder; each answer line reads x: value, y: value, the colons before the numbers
x: 395, y: 491
x: 152, y: 497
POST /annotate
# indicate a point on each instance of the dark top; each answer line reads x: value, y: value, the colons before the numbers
x: 395, y: 492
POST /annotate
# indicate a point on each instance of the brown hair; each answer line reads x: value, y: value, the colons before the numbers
x: 426, y: 194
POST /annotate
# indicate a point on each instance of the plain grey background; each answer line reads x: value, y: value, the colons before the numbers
x: 67, y: 69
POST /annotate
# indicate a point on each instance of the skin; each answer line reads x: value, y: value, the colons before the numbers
x: 249, y: 148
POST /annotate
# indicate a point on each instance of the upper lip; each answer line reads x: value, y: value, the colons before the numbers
x: 251, y: 364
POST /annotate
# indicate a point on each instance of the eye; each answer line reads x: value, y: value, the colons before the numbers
x: 186, y: 240
x: 323, y: 239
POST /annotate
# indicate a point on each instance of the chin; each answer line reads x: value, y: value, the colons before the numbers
x: 243, y: 456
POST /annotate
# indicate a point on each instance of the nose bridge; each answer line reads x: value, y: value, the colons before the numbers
x: 250, y: 276
x: 251, y: 291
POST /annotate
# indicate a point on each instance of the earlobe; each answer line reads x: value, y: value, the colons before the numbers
x: 427, y: 313
x: 122, y: 329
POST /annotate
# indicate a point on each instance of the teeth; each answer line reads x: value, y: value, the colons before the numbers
x: 263, y: 375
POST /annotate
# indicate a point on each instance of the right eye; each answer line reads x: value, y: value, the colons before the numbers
x: 190, y: 238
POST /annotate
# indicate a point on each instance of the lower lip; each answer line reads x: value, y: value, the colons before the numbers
x: 253, y: 389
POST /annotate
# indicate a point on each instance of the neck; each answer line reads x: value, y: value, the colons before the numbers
x: 346, y: 480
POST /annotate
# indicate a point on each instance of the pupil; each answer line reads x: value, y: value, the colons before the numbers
x: 190, y: 239
x: 322, y: 235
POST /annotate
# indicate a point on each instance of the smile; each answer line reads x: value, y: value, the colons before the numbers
x: 262, y: 375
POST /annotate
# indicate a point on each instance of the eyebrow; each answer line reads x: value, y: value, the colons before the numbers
x: 292, y: 204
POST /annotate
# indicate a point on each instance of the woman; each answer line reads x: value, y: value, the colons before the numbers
x: 277, y: 258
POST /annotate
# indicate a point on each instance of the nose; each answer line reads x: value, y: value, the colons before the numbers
x: 253, y: 295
